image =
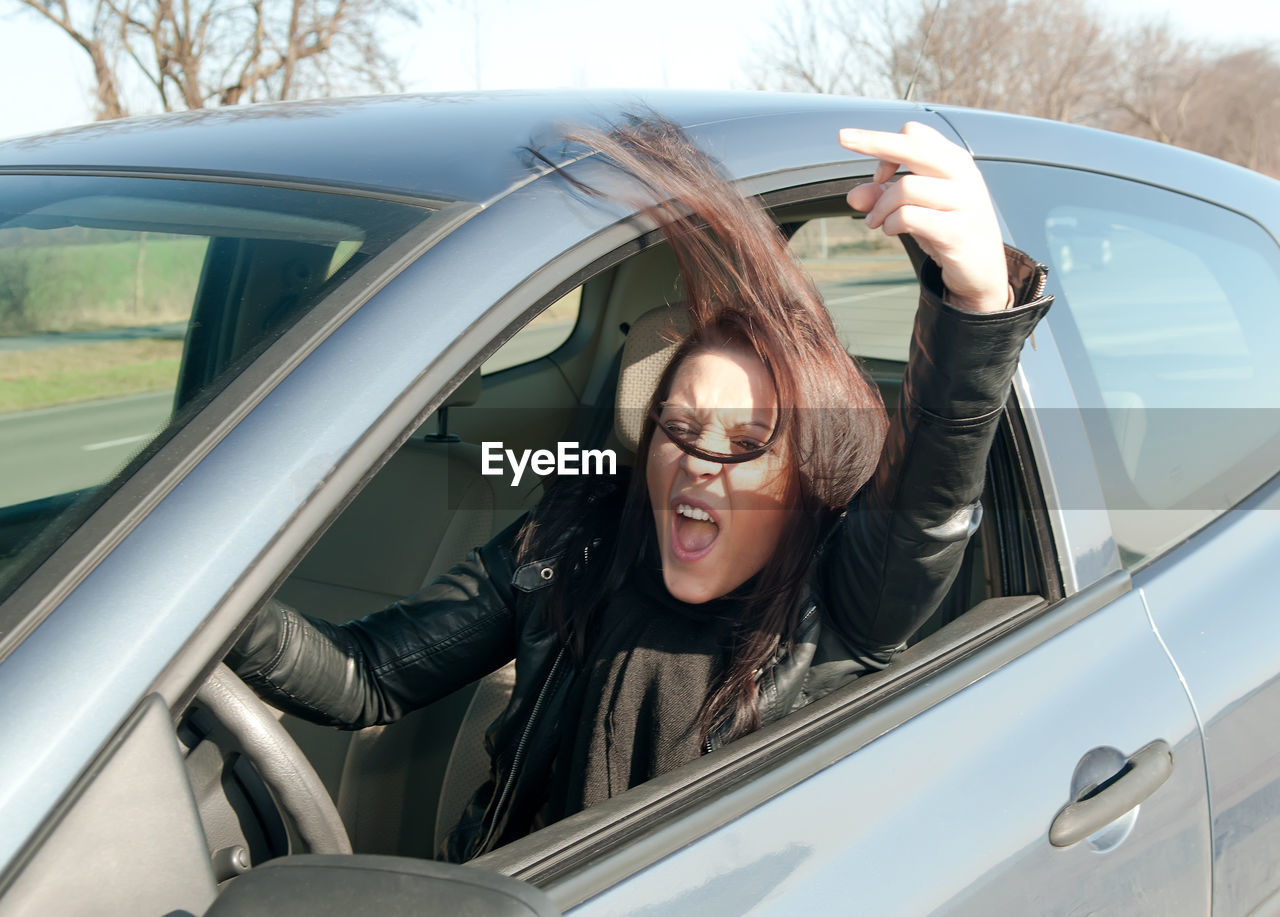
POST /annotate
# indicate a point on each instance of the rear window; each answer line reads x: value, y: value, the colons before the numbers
x: 1169, y: 329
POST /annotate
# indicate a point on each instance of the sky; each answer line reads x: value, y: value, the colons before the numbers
x: 694, y: 44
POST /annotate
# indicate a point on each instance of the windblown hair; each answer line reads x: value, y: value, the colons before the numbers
x: 744, y: 290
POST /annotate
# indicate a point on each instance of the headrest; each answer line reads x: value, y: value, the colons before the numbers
x: 645, y: 354
x: 467, y: 393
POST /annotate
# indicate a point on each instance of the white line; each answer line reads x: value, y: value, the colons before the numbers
x: 873, y: 294
x: 93, y: 447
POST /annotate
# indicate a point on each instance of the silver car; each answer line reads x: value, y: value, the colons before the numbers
x: 258, y: 351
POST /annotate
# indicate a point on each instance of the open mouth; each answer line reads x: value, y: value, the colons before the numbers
x: 694, y: 531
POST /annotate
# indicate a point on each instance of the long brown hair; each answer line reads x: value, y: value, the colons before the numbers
x: 743, y: 289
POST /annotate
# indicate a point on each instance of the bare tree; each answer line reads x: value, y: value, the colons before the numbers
x: 1049, y: 58
x: 838, y: 46
x: 1241, y: 121
x: 805, y: 55
x: 1159, y: 80
x: 94, y: 27
x: 1216, y: 102
x: 220, y: 52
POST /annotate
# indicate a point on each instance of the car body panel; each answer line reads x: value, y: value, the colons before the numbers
x: 950, y: 810
x: 462, y: 146
x: 1224, y: 640
x: 1208, y: 597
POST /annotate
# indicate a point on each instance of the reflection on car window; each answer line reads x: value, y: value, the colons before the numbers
x: 866, y: 281
x: 124, y: 299
x: 1170, y: 336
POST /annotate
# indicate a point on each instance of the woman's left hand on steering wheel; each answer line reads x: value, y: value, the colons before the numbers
x: 942, y: 202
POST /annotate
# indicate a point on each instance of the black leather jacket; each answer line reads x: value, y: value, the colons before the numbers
x: 888, y: 564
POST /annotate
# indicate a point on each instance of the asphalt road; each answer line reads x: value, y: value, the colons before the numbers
x: 874, y: 319
x: 55, y: 450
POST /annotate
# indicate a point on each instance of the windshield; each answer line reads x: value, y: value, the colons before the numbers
x: 124, y: 301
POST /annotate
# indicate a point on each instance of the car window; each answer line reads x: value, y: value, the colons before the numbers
x: 870, y: 287
x: 122, y: 300
x: 1169, y: 335
x: 544, y: 334
x: 866, y: 280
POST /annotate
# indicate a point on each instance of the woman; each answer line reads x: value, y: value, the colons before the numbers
x: 744, y: 569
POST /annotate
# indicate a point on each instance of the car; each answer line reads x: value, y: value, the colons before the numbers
x: 282, y: 350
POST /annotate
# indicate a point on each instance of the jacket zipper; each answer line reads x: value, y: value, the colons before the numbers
x: 1042, y: 281
x: 510, y: 783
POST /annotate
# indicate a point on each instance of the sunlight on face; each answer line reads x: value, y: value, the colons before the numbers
x: 717, y: 524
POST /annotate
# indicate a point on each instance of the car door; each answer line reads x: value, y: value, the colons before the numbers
x: 1170, y: 336
x: 944, y: 798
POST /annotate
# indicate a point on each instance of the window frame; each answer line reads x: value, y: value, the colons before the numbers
x: 122, y: 503
x: 581, y: 852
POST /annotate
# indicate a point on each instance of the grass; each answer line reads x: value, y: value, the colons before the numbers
x: 98, y: 284
x: 51, y: 376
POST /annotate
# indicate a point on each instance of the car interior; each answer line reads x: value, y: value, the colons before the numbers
x: 401, y: 787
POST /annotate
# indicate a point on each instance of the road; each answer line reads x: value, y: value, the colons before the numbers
x: 55, y: 450
x: 874, y: 317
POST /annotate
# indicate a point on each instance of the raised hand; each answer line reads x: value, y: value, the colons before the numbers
x: 942, y: 202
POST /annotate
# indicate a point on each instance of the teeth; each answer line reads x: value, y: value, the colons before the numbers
x: 693, y: 512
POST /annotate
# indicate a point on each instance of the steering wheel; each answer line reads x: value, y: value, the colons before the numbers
x: 293, y: 782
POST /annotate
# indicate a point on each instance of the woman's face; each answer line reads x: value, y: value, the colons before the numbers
x: 717, y: 524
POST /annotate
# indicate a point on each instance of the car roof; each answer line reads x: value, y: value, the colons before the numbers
x: 460, y: 146
x: 472, y: 146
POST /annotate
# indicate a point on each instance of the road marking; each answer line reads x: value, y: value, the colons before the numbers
x: 94, y: 447
x: 872, y: 294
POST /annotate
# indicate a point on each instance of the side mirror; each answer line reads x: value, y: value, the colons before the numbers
x: 311, y: 885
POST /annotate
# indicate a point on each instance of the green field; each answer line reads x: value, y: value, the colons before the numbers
x: 50, y: 376
x: 76, y: 279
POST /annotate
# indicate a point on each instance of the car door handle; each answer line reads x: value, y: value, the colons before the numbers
x: 1145, y: 771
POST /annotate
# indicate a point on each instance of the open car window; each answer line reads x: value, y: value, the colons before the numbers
x: 432, y: 502
x: 125, y: 303
x: 866, y: 280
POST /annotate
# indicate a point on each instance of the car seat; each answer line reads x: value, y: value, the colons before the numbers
x: 400, y: 532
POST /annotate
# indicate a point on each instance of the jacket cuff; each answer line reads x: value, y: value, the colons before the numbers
x: 968, y: 358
